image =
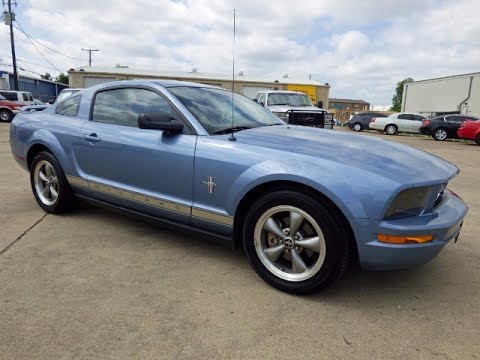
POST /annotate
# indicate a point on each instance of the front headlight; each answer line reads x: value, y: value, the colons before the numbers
x: 409, y: 202
x: 281, y: 115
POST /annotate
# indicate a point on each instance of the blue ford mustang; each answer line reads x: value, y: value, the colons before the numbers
x: 301, y: 201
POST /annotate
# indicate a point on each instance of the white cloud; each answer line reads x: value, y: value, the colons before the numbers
x: 362, y: 48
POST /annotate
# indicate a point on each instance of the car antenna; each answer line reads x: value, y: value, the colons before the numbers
x: 232, y: 136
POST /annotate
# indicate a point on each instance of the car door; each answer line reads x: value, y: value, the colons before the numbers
x: 141, y: 169
x: 404, y: 122
x: 452, y: 123
x: 416, y: 123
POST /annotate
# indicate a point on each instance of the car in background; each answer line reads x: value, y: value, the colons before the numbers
x: 445, y: 126
x: 38, y: 102
x: 294, y: 107
x: 24, y: 98
x: 361, y: 121
x: 61, y: 96
x: 470, y: 130
x: 8, y: 109
x: 398, y: 122
x: 180, y: 153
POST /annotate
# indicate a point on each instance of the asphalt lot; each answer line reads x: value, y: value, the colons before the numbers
x: 96, y: 284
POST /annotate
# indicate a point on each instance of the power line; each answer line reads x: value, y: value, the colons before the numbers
x: 32, y: 63
x: 45, y: 46
x: 33, y: 44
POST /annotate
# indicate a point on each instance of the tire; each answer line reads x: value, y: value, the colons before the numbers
x: 440, y: 134
x: 477, y: 139
x: 305, y: 262
x: 46, y: 172
x: 5, y: 115
x: 357, y: 127
x: 391, y: 129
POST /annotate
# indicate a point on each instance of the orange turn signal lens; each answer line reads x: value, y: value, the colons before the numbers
x: 391, y: 239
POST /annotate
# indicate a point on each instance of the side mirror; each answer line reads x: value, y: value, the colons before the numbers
x: 262, y: 103
x: 159, y: 121
x: 320, y: 104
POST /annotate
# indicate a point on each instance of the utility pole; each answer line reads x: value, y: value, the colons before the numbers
x: 89, y: 54
x: 9, y: 18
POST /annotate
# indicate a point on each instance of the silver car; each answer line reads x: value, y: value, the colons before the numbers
x: 398, y: 122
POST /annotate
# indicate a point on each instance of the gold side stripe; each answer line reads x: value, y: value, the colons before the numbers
x: 211, y: 216
x: 152, y: 201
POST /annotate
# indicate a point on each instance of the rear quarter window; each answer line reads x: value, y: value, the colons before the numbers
x: 69, y: 107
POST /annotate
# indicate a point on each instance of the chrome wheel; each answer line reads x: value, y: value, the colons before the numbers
x: 46, y: 183
x: 4, y: 115
x: 391, y: 130
x: 289, y: 243
x: 357, y: 127
x: 440, y: 134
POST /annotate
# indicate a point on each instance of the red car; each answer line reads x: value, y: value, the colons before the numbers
x: 8, y: 109
x: 470, y: 130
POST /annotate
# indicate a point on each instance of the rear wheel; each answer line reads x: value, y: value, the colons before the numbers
x: 294, y: 242
x: 357, y: 127
x: 49, y: 184
x: 440, y: 134
x: 391, y: 129
x: 5, y: 115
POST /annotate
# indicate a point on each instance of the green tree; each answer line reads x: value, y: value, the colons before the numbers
x: 62, y: 78
x: 397, y: 98
x: 47, y: 76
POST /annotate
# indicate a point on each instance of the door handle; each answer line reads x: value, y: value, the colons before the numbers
x: 91, y: 137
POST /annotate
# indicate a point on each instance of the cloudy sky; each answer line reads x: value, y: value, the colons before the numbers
x: 361, y: 48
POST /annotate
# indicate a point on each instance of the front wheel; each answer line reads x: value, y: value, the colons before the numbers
x: 294, y: 242
x: 49, y: 184
x: 440, y: 134
x: 357, y: 127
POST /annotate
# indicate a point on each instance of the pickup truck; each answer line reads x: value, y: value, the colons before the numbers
x: 293, y: 107
x: 8, y: 109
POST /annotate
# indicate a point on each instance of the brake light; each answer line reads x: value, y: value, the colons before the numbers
x: 373, y: 119
x: 425, y: 122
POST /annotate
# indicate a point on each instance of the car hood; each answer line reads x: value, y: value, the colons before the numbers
x: 285, y: 108
x: 397, y: 162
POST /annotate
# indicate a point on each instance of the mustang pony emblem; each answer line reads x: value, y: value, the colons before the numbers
x: 211, y: 184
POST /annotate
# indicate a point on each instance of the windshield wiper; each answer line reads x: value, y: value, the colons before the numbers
x: 230, y: 129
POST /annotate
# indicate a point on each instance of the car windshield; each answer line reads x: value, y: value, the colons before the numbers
x: 213, y: 109
x: 290, y: 99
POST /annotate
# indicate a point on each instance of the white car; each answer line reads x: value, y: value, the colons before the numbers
x: 398, y: 122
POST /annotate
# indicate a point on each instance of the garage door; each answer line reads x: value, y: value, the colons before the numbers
x: 95, y: 80
x: 251, y: 91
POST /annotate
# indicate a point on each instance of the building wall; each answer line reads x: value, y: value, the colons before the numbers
x: 40, y: 89
x: 445, y: 95
x: 77, y: 80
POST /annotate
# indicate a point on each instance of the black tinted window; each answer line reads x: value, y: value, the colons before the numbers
x: 9, y: 95
x: 122, y: 106
x: 69, y: 107
x: 405, y: 117
x: 418, y: 118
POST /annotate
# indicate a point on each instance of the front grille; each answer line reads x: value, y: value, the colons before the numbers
x: 310, y: 118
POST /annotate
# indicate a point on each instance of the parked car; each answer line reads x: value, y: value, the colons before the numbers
x: 470, y: 130
x: 398, y: 122
x: 8, y: 109
x: 294, y: 106
x: 445, y: 126
x: 65, y: 93
x: 361, y: 121
x: 167, y: 150
x: 22, y: 97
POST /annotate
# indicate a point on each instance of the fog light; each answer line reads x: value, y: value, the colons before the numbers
x: 391, y: 239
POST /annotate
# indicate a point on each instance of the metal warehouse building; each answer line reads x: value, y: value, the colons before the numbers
x: 246, y: 85
x: 41, y: 89
x: 446, y: 95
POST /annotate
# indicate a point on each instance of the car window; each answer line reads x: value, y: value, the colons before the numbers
x: 12, y: 96
x: 30, y: 97
x: 262, y: 99
x: 69, y: 107
x: 25, y: 96
x: 122, y: 106
x: 418, y: 118
x: 405, y: 117
x: 455, y: 118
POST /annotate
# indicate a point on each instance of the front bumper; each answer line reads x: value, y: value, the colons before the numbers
x: 425, y: 131
x: 444, y: 223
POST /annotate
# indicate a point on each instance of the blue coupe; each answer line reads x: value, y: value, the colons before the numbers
x: 301, y: 201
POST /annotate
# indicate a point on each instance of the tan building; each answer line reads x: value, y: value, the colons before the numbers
x: 246, y: 85
x: 348, y: 104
